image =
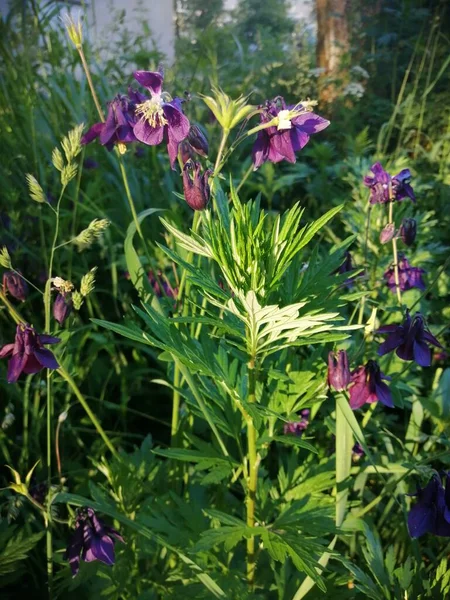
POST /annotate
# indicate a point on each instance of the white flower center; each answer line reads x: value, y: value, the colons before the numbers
x: 284, y: 120
x: 152, y: 112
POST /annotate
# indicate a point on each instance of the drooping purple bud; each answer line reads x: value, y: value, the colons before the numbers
x: 62, y: 307
x: 196, y: 188
x: 408, y: 230
x: 357, y: 452
x: 15, y: 284
x: 198, y: 141
x: 387, y: 233
x: 338, y: 371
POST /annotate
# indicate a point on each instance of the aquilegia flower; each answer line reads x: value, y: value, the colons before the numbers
x: 92, y: 540
x: 28, y: 354
x: 298, y: 427
x: 408, y: 277
x: 196, y: 188
x: 410, y: 340
x: 367, y: 386
x: 159, y: 118
x: 291, y: 128
x: 15, y: 284
x: 338, y: 371
x: 431, y: 513
x: 384, y: 188
x: 118, y: 127
x: 408, y: 230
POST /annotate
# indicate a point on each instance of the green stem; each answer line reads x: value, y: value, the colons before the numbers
x: 65, y: 375
x: 344, y: 444
x: 175, y: 403
x: 48, y: 285
x: 247, y: 174
x: 26, y: 415
x: 218, y: 166
x: 90, y: 83
x: 252, y: 481
x: 48, y: 521
x: 395, y: 253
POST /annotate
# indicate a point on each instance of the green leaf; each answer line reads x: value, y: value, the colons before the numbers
x: 17, y: 549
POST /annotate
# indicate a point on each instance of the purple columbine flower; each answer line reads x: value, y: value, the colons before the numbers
x: 431, y: 513
x: 367, y: 386
x: 196, y: 188
x: 62, y: 306
x: 118, y: 127
x: 15, y: 284
x: 290, y: 132
x: 338, y: 371
x: 298, y: 427
x: 410, y: 340
x: 408, y: 230
x: 159, y: 118
x: 28, y: 354
x: 92, y: 540
x: 384, y: 188
x: 408, y: 277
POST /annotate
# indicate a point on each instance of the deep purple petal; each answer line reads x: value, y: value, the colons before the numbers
x: 422, y: 354
x: 299, y: 139
x: 421, y: 519
x: 46, y: 358
x: 384, y: 394
x: 151, y: 80
x: 102, y: 549
x: 387, y: 329
x: 406, y: 350
x: 429, y: 337
x: 310, y: 123
x: 6, y: 350
x: 109, y: 127
x: 74, y: 550
x: 48, y: 339
x: 147, y: 134
x: 32, y: 365
x: 282, y: 143
x: 15, y: 366
x: 177, y: 123
x: 260, y: 150
x: 390, y: 344
x: 172, y: 150
x: 92, y: 133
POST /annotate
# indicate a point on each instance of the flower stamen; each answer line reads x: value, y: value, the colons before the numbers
x: 152, y: 112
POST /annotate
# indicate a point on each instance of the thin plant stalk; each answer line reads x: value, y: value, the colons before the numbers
x: 395, y: 254
x: 47, y: 306
x: 252, y: 481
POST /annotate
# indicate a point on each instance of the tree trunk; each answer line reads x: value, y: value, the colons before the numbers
x: 333, y: 44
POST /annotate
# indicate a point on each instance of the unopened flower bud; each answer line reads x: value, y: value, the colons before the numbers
x: 196, y: 189
x: 387, y: 233
x: 198, y: 141
x: 338, y: 371
x: 408, y: 230
x: 15, y: 285
x: 62, y: 307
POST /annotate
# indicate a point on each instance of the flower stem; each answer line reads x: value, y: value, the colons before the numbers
x: 12, y: 311
x: 175, y: 403
x: 247, y: 174
x: 223, y: 141
x: 252, y: 480
x: 65, y: 375
x: 90, y: 83
x: 395, y: 253
x: 130, y: 197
